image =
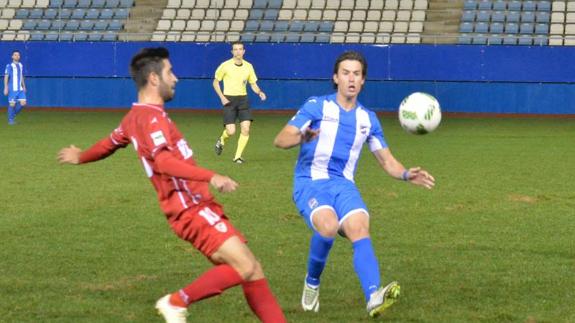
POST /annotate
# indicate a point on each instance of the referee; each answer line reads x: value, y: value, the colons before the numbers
x: 236, y: 74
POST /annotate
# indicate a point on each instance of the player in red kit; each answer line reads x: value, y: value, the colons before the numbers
x: 183, y: 191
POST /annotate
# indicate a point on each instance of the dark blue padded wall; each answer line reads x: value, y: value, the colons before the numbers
x: 501, y: 79
x: 309, y: 61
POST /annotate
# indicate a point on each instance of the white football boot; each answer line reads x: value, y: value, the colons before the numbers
x: 171, y: 313
x: 310, y: 298
x: 383, y: 298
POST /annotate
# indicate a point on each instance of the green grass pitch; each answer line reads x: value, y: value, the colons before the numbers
x: 493, y: 242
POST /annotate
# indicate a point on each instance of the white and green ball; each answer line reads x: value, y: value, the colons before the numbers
x: 419, y: 113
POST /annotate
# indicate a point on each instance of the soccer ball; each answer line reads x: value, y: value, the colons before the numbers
x: 419, y: 113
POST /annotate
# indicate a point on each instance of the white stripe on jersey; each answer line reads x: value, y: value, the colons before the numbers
x: 362, y: 128
x: 147, y: 168
x: 195, y: 199
x: 15, y: 77
x: 180, y: 195
x: 304, y: 127
x: 325, y: 144
x: 114, y: 141
x: 374, y: 144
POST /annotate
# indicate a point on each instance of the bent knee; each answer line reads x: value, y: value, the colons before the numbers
x: 250, y: 270
x: 356, y: 234
x: 326, y: 224
x: 356, y: 227
x: 328, y: 230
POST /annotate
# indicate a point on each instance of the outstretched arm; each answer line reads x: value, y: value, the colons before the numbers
x: 291, y: 136
x: 394, y: 168
x: 100, y: 150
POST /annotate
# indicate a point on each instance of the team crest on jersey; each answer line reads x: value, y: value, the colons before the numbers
x: 196, y: 198
x: 158, y: 138
x: 222, y: 227
x: 313, y: 203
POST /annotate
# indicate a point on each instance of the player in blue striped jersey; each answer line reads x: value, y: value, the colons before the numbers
x: 331, y: 131
x: 14, y: 86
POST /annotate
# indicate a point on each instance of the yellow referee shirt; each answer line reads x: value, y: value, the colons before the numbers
x: 235, y: 77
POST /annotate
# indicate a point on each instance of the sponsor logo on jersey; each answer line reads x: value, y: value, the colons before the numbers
x: 330, y: 119
x: 158, y: 138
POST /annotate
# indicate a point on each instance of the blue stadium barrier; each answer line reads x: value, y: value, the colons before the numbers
x: 495, y: 79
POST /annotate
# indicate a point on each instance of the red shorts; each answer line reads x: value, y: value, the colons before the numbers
x: 205, y: 227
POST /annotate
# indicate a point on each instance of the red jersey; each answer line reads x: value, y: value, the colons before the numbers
x: 151, y: 131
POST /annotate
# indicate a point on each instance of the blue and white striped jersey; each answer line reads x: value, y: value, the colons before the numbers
x: 14, y: 72
x: 334, y: 154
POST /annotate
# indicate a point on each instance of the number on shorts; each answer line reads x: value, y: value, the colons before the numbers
x: 210, y: 216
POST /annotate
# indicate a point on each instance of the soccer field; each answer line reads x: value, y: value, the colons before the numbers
x: 493, y: 242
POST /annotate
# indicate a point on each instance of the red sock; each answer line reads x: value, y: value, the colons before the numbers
x: 262, y: 301
x: 211, y: 283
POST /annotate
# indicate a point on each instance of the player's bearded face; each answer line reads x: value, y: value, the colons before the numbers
x: 166, y: 91
x: 168, y: 80
x: 349, y: 78
x: 16, y: 57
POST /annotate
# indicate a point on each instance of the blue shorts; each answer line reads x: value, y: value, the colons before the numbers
x: 340, y: 195
x: 16, y: 95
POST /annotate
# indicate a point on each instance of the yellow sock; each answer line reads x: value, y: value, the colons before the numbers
x: 242, y: 142
x: 223, y: 137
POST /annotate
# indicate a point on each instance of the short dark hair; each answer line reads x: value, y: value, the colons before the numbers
x: 237, y: 42
x: 146, y: 61
x: 16, y: 51
x: 350, y: 56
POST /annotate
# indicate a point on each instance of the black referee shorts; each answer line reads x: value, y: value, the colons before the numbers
x: 237, y: 109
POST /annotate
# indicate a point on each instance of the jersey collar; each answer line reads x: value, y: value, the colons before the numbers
x: 149, y: 106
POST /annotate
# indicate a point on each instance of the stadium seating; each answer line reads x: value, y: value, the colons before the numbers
x: 301, y: 20
x: 490, y: 22
x: 514, y: 22
x: 64, y: 20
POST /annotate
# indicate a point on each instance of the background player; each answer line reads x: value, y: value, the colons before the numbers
x: 332, y: 130
x: 14, y: 87
x: 184, y: 194
x: 236, y: 73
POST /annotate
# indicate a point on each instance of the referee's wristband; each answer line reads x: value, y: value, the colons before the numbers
x: 405, y: 175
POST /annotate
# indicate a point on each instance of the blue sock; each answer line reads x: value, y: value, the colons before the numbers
x: 318, y: 251
x: 11, y: 114
x: 18, y: 107
x: 366, y: 266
